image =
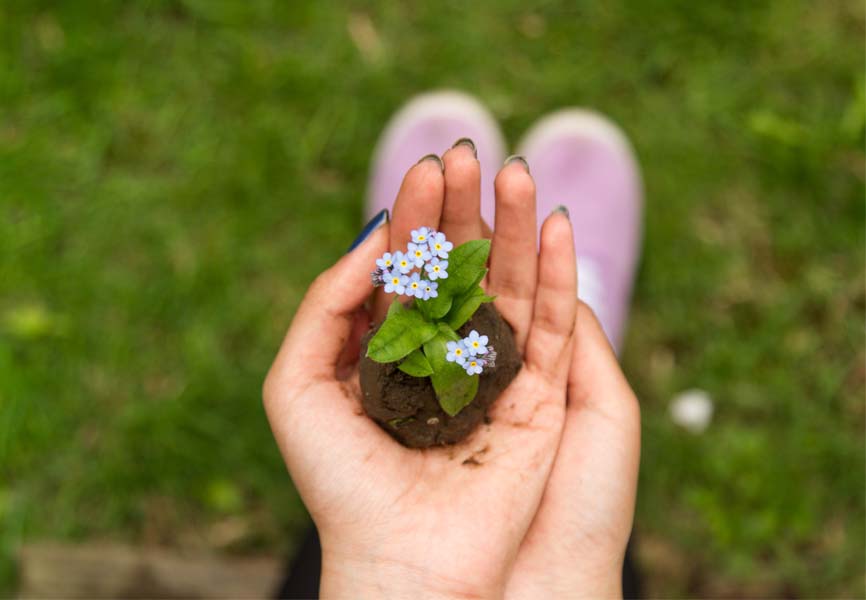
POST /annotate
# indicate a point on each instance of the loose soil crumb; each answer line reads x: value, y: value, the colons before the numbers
x: 406, y: 406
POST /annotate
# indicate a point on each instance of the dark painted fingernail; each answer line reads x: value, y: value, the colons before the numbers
x: 434, y: 157
x: 562, y: 209
x: 469, y: 144
x: 517, y: 158
x: 375, y: 223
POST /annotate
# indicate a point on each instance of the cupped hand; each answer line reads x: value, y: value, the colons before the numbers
x: 576, y: 543
x: 392, y: 520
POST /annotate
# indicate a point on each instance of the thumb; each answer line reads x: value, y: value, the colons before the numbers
x: 600, y: 448
x: 324, y: 320
x: 595, y: 380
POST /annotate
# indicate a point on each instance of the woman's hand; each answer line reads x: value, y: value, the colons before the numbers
x: 449, y: 520
x: 576, y: 543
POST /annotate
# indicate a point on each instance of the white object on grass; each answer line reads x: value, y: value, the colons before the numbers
x: 692, y: 410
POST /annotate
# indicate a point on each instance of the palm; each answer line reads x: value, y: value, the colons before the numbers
x: 480, y: 491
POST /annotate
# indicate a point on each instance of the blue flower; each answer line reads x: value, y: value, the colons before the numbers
x: 418, y: 253
x: 473, y: 365
x: 396, y: 282
x: 386, y: 262
x: 436, y: 269
x: 430, y: 290
x: 421, y: 235
x: 476, y: 344
x: 438, y: 245
x: 415, y: 286
x: 456, y: 352
x: 402, y: 262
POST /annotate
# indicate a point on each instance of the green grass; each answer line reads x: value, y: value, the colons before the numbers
x: 174, y: 173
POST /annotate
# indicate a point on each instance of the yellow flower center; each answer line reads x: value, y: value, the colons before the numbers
x: 473, y: 364
x: 414, y: 286
x: 418, y: 253
x: 474, y: 344
x: 436, y: 268
x: 438, y: 246
x: 458, y: 352
x: 395, y: 281
x: 387, y: 263
x: 421, y: 238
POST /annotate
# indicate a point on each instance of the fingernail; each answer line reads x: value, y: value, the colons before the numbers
x: 375, y: 223
x: 517, y: 158
x: 562, y: 209
x: 469, y: 144
x: 434, y: 157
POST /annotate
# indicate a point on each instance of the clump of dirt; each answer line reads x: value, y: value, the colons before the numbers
x: 406, y: 406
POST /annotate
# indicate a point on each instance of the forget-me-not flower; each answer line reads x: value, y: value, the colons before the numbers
x: 419, y: 254
x: 456, y: 352
x: 473, y: 365
x: 403, y: 262
x: 475, y: 343
x: 430, y: 290
x: 439, y: 246
x: 396, y: 282
x: 437, y: 269
x: 421, y: 235
x: 386, y: 262
x: 415, y: 286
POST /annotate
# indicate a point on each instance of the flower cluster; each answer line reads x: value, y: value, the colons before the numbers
x: 472, y: 353
x: 427, y: 252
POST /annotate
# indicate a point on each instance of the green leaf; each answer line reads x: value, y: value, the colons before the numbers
x: 466, y: 267
x: 454, y: 388
x: 464, y: 307
x: 416, y: 365
x: 403, y: 331
x: 396, y: 305
x: 396, y: 423
x: 434, y: 308
x: 478, y: 279
x: 450, y: 334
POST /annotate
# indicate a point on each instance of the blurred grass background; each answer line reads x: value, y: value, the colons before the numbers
x: 173, y: 173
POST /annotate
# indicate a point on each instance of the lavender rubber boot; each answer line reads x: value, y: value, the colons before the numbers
x: 583, y: 161
x: 430, y: 124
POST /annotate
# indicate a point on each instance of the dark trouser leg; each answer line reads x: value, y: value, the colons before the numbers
x: 301, y: 581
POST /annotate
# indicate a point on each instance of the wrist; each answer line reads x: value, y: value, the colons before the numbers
x: 564, y: 585
x: 598, y: 581
x: 605, y: 587
x: 348, y: 574
x: 571, y: 576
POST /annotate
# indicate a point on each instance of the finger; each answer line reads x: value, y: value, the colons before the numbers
x: 602, y: 433
x: 461, y: 212
x: 548, y: 345
x: 513, y: 257
x: 418, y: 203
x: 595, y: 380
x: 324, y: 320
